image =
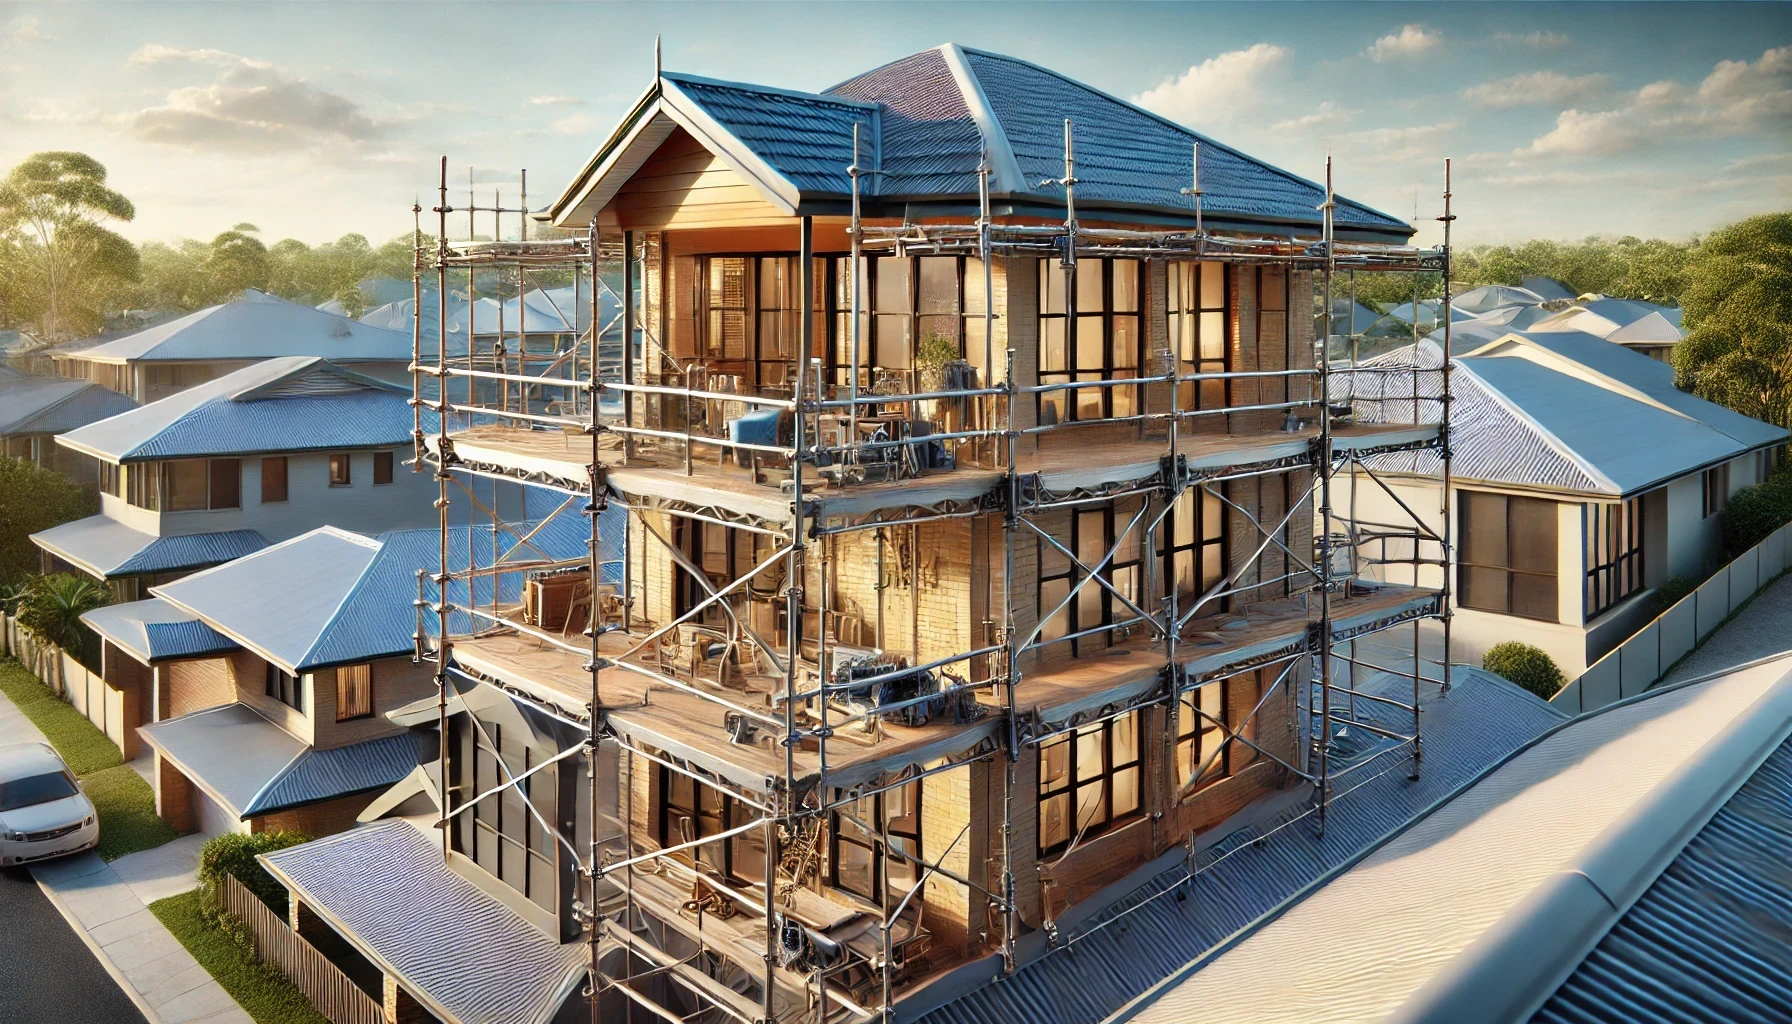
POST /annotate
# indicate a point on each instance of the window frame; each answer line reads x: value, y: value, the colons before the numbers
x: 1612, y: 547
x: 1715, y: 485
x: 1110, y: 525
x: 347, y: 462
x: 382, y: 468
x: 1071, y: 405
x: 1171, y: 545
x: 1192, y: 729
x: 1071, y: 785
x: 724, y: 857
x: 213, y: 470
x: 345, y: 677
x: 871, y: 843
x: 284, y: 686
x: 488, y: 826
x: 1464, y: 593
x: 1188, y: 321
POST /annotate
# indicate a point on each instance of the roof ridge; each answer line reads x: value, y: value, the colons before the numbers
x: 304, y: 752
x: 348, y: 594
x: 778, y: 90
x: 1548, y: 436
x: 1004, y: 166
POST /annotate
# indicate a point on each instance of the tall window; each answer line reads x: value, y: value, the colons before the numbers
x: 1507, y: 562
x: 1192, y: 541
x: 1089, y: 782
x: 340, y: 472
x: 273, y: 479
x: 110, y: 482
x: 1208, y: 717
x: 691, y: 810
x: 1614, y: 553
x: 140, y: 479
x: 750, y: 311
x: 907, y: 301
x: 858, y: 860
x: 286, y: 688
x: 1199, y: 329
x: 499, y: 833
x: 382, y: 468
x: 1093, y: 335
x: 1717, y: 489
x: 354, y: 692
x: 1091, y: 533
x: 1272, y: 331
x: 192, y: 484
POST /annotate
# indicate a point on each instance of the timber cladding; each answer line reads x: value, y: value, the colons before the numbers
x: 190, y: 686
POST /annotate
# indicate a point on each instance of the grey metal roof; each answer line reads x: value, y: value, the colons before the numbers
x: 253, y: 767
x: 1548, y: 287
x: 1477, y: 911
x: 284, y: 404
x: 1711, y: 941
x: 256, y: 325
x: 927, y: 121
x: 468, y: 958
x: 108, y: 548
x: 1163, y: 925
x: 153, y: 630
x: 51, y: 405
x: 229, y: 751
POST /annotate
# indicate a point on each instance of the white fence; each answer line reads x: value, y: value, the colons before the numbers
x: 1639, y: 662
x: 69, y: 679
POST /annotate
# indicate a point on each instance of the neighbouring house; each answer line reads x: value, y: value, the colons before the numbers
x: 1582, y: 480
x: 203, y: 346
x: 1645, y: 327
x: 262, y: 454
x: 840, y: 700
x: 1547, y: 288
x: 1627, y: 865
x: 33, y: 410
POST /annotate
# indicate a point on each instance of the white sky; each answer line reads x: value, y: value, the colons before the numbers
x: 315, y: 119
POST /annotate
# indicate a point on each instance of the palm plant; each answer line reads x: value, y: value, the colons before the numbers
x: 51, y: 606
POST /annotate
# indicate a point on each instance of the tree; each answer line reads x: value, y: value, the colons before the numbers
x: 1738, y: 319
x: 235, y: 261
x: 32, y: 500
x: 53, y: 205
x: 51, y: 606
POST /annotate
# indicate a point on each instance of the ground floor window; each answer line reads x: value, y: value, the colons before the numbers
x: 859, y: 862
x: 1507, y: 559
x: 500, y: 833
x: 1613, y: 553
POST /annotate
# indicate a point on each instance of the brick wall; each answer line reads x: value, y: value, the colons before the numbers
x: 174, y: 797
x: 940, y: 554
x: 945, y: 813
x: 195, y: 685
x: 318, y: 820
x: 396, y: 682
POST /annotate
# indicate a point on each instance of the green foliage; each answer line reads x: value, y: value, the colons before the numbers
x: 127, y: 810
x: 51, y: 606
x: 1526, y: 666
x: 63, y: 265
x: 258, y: 988
x: 1633, y: 268
x: 1738, y: 347
x: 234, y: 854
x: 936, y: 350
x: 32, y: 500
x: 193, y: 274
x: 1673, y: 592
x: 1755, y: 512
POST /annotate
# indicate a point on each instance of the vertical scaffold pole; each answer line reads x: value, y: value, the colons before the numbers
x: 855, y: 301
x: 594, y: 509
x: 1444, y: 419
x: 1322, y: 736
x: 443, y: 644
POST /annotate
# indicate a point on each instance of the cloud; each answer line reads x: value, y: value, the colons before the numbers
x: 1411, y: 41
x: 575, y: 124
x: 1538, y: 88
x: 1329, y: 115
x: 1421, y: 142
x: 23, y: 31
x: 250, y: 106
x: 556, y: 101
x: 1738, y: 97
x: 1536, y: 40
x: 1215, y: 90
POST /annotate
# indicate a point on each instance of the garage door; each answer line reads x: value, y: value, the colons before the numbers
x: 213, y: 819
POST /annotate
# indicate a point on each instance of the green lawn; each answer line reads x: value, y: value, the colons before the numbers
x: 126, y: 804
x: 259, y: 989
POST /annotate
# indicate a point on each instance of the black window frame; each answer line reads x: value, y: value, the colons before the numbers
x: 1193, y: 730
x: 1071, y: 786
x: 1105, y: 518
x: 843, y: 832
x: 1172, y: 544
x: 285, y: 687
x: 1715, y: 484
x: 1189, y: 316
x: 1073, y: 405
x: 500, y: 822
x: 1612, y: 546
x: 728, y: 857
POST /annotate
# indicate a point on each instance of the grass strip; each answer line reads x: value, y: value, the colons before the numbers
x: 258, y: 988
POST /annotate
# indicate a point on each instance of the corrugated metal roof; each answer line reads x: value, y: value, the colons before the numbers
x: 341, y: 771
x: 1475, y: 911
x: 469, y: 958
x: 1710, y: 942
x: 154, y: 630
x: 229, y: 750
x: 52, y: 405
x: 290, y: 404
x: 107, y: 548
x: 256, y: 325
x: 1251, y: 872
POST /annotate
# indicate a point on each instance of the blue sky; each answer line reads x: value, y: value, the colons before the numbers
x: 313, y: 119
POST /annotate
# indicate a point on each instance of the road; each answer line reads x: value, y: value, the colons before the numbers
x: 47, y: 974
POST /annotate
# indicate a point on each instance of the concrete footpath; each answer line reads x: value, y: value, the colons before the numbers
x: 1761, y: 630
x: 107, y: 906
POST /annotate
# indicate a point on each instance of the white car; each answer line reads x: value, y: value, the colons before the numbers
x: 43, y: 811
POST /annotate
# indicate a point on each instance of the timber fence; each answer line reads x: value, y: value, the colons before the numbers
x: 331, y: 991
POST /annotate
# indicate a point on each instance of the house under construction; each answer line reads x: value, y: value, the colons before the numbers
x: 972, y: 433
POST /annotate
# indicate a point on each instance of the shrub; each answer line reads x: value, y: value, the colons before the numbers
x: 1753, y: 513
x: 234, y: 854
x: 51, y: 606
x: 1526, y: 666
x: 1672, y: 592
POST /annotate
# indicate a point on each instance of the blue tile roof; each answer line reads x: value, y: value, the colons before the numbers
x: 805, y: 137
x: 154, y: 630
x: 1153, y: 933
x: 469, y: 957
x: 1710, y: 942
x: 167, y: 554
x: 256, y: 325
x: 930, y: 141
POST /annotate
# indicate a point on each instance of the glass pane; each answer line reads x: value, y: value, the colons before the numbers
x: 1211, y: 701
x: 973, y: 285
x: 1051, y: 287
x: 1054, y: 821
x: 227, y: 480
x: 1052, y: 355
x: 1213, y: 516
x: 1533, y: 535
x: 1213, y: 286
x: 975, y: 350
x: 1089, y: 347
x: 543, y: 886
x: 1126, y: 738
x: 892, y: 284
x: 1213, y: 567
x: 856, y: 869
x: 1088, y: 286
x: 1126, y: 343
x: 1051, y: 406
x: 1091, y: 806
x: 892, y: 342
x: 1213, y: 336
x: 1126, y: 286
x: 1089, y: 603
x: 1185, y: 574
x: 1091, y: 755
x: 1534, y: 596
x: 185, y: 483
x: 1091, y: 536
x: 1125, y: 798
x: 1483, y: 528
x: 1088, y: 400
x: 939, y: 284
x: 749, y: 855
x: 1126, y: 547
x: 1050, y: 593
x: 1483, y: 588
x: 940, y: 327
x: 1054, y: 764
x: 1126, y: 581
x: 1176, y: 288
x: 1053, y: 562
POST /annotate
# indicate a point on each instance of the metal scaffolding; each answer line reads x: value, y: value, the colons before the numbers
x: 591, y: 385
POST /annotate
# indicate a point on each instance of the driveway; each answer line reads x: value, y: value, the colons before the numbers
x: 47, y: 975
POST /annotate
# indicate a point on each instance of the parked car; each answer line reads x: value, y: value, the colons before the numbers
x: 43, y: 811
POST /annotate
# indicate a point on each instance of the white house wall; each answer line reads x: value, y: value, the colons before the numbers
x: 408, y: 501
